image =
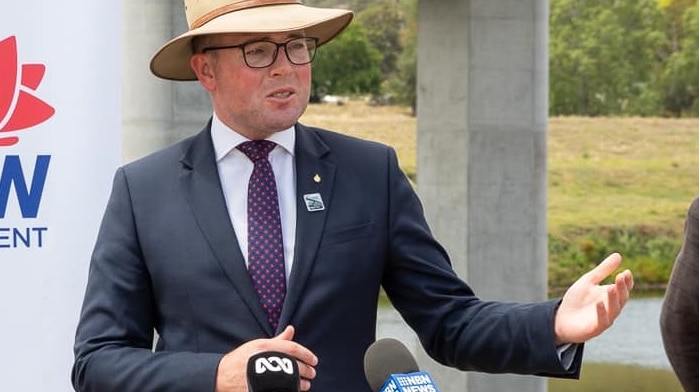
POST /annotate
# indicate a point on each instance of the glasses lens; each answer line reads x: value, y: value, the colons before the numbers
x: 259, y: 54
x: 301, y: 50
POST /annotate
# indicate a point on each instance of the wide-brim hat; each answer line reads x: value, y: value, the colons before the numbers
x: 206, y: 17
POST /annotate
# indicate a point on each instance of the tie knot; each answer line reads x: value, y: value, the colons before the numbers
x: 256, y: 149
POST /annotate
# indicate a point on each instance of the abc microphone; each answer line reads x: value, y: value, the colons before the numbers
x: 273, y: 371
x: 390, y: 367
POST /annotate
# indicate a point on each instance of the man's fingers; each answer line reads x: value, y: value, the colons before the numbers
x: 304, y: 385
x: 628, y: 278
x: 602, y: 315
x: 284, y: 342
x: 604, y: 269
x: 306, y: 371
x: 624, y: 284
x: 614, y: 304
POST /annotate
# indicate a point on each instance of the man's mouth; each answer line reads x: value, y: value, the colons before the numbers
x: 282, y: 94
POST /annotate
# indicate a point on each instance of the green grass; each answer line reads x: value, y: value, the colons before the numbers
x: 614, y: 184
x: 631, y: 171
x: 392, y: 125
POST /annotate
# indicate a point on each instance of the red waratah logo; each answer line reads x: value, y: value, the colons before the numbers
x: 19, y: 108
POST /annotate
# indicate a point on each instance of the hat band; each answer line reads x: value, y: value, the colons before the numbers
x: 237, y: 6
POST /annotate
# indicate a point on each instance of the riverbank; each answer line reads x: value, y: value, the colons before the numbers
x: 641, y: 290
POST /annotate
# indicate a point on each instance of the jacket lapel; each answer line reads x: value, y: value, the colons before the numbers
x: 315, y: 176
x: 202, y: 188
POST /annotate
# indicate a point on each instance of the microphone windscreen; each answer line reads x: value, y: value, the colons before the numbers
x: 273, y: 371
x: 384, y: 358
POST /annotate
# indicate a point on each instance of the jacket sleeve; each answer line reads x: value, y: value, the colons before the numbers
x: 680, y: 310
x: 115, y: 333
x: 455, y: 327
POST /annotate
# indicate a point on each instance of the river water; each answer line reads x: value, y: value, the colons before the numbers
x: 634, y: 339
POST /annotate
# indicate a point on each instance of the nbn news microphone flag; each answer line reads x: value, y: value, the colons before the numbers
x: 409, y: 382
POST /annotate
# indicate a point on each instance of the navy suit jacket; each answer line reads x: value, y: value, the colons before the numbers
x: 166, y: 259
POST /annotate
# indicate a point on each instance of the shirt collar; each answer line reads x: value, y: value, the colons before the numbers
x: 226, y: 139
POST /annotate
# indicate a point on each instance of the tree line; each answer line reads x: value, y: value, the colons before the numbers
x: 630, y: 57
x: 376, y: 55
x: 606, y: 57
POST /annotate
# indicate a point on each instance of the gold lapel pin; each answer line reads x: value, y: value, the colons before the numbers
x: 316, y: 178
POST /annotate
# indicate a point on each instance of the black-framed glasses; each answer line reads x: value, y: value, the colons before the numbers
x: 262, y: 54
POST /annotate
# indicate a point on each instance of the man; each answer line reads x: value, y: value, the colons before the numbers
x: 204, y: 241
x: 679, y: 316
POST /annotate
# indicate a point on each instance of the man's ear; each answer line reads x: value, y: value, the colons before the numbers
x: 202, y: 66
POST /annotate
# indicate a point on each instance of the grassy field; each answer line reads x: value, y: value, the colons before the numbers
x: 391, y: 125
x: 615, y: 184
x: 603, y: 171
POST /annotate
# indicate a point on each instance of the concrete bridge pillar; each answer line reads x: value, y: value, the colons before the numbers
x: 482, y: 120
x: 155, y: 112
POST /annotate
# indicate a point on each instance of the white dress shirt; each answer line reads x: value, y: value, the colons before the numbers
x: 234, y: 170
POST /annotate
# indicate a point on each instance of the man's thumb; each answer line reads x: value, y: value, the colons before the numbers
x: 287, y: 334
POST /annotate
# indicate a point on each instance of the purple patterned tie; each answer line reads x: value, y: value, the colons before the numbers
x: 265, y: 247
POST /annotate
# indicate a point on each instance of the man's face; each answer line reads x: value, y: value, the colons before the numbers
x: 255, y: 102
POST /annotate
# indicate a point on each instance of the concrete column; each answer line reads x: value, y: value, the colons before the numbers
x: 191, y: 105
x: 482, y: 119
x: 155, y: 112
x: 146, y: 101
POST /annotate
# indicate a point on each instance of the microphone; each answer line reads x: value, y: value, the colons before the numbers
x: 273, y: 371
x: 390, y: 367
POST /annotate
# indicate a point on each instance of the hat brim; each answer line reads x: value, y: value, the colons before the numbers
x: 171, y: 61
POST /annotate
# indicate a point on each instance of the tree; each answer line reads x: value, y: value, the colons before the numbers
x: 354, y: 5
x: 403, y: 83
x: 680, y: 78
x: 360, y: 5
x: 604, y: 56
x: 346, y: 65
x: 325, y: 3
x: 382, y: 22
x: 675, y: 11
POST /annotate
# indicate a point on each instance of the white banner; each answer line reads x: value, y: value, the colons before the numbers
x: 60, y: 141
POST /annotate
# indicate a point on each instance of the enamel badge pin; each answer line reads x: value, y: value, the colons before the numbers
x: 314, y: 202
